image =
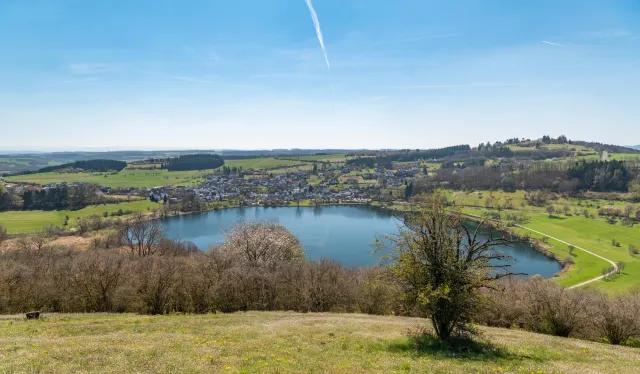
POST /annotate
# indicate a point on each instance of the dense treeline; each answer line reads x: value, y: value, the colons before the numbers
x: 101, y: 166
x: 554, y: 176
x: 600, y: 175
x: 62, y: 197
x: 194, y: 162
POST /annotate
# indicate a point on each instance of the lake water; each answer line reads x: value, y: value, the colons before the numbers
x: 341, y: 233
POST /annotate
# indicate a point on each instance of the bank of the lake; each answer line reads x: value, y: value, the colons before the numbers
x: 343, y: 233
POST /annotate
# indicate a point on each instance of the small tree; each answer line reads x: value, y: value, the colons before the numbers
x: 141, y: 236
x: 566, y: 208
x: 441, y: 266
x: 550, y: 210
x: 3, y: 234
x: 263, y: 243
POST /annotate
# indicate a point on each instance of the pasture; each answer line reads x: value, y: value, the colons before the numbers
x: 126, y: 178
x: 21, y: 222
x: 260, y: 163
x: 595, y: 233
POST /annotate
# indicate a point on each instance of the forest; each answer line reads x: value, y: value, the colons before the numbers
x: 194, y: 162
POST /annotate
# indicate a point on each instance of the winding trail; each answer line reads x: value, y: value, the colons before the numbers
x: 613, y: 264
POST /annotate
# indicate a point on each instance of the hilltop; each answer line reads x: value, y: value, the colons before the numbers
x: 279, y: 342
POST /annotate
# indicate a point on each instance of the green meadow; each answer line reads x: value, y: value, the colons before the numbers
x: 125, y: 178
x: 21, y: 222
x: 594, y: 234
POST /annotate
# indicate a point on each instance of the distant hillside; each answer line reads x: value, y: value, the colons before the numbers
x: 88, y: 166
x: 607, y: 147
x: 635, y: 147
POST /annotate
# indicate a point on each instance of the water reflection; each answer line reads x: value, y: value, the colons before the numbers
x: 342, y: 233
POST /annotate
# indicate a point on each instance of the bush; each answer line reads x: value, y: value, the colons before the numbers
x: 617, y: 318
x: 568, y: 260
x: 555, y: 310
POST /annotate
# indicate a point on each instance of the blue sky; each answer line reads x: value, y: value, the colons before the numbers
x: 250, y: 74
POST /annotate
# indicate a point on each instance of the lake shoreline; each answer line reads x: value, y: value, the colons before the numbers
x: 331, y: 231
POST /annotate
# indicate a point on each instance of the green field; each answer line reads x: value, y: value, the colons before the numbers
x: 20, y: 222
x: 320, y: 158
x: 281, y: 342
x: 123, y: 179
x: 593, y: 234
x: 260, y: 163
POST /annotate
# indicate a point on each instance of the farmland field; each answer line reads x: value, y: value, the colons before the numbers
x: 260, y: 163
x: 20, y: 222
x: 125, y: 178
x: 322, y: 158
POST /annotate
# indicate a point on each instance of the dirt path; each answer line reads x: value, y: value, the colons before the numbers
x: 613, y: 264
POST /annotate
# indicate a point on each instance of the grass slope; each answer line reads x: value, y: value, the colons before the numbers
x: 20, y: 222
x: 281, y: 343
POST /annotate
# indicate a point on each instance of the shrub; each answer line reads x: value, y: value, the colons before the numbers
x: 555, y: 310
x: 568, y: 260
x: 617, y: 317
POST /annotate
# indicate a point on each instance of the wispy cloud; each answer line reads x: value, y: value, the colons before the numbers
x: 92, y: 68
x: 92, y: 79
x: 466, y: 85
x: 634, y: 38
x: 316, y: 23
x: 440, y: 36
x: 189, y: 79
x: 556, y: 44
x: 615, y: 33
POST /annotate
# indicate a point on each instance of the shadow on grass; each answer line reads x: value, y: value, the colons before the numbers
x: 557, y: 218
x: 459, y: 348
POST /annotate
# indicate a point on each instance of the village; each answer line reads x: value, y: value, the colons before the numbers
x: 297, y: 187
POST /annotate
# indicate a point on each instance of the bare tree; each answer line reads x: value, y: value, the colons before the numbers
x: 263, y: 243
x: 96, y: 276
x: 143, y: 237
x: 555, y: 310
x: 617, y: 317
x: 441, y: 266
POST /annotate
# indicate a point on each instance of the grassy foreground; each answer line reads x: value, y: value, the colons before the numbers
x: 281, y: 343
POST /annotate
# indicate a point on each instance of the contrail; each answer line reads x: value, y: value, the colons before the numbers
x: 556, y: 44
x: 316, y: 23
